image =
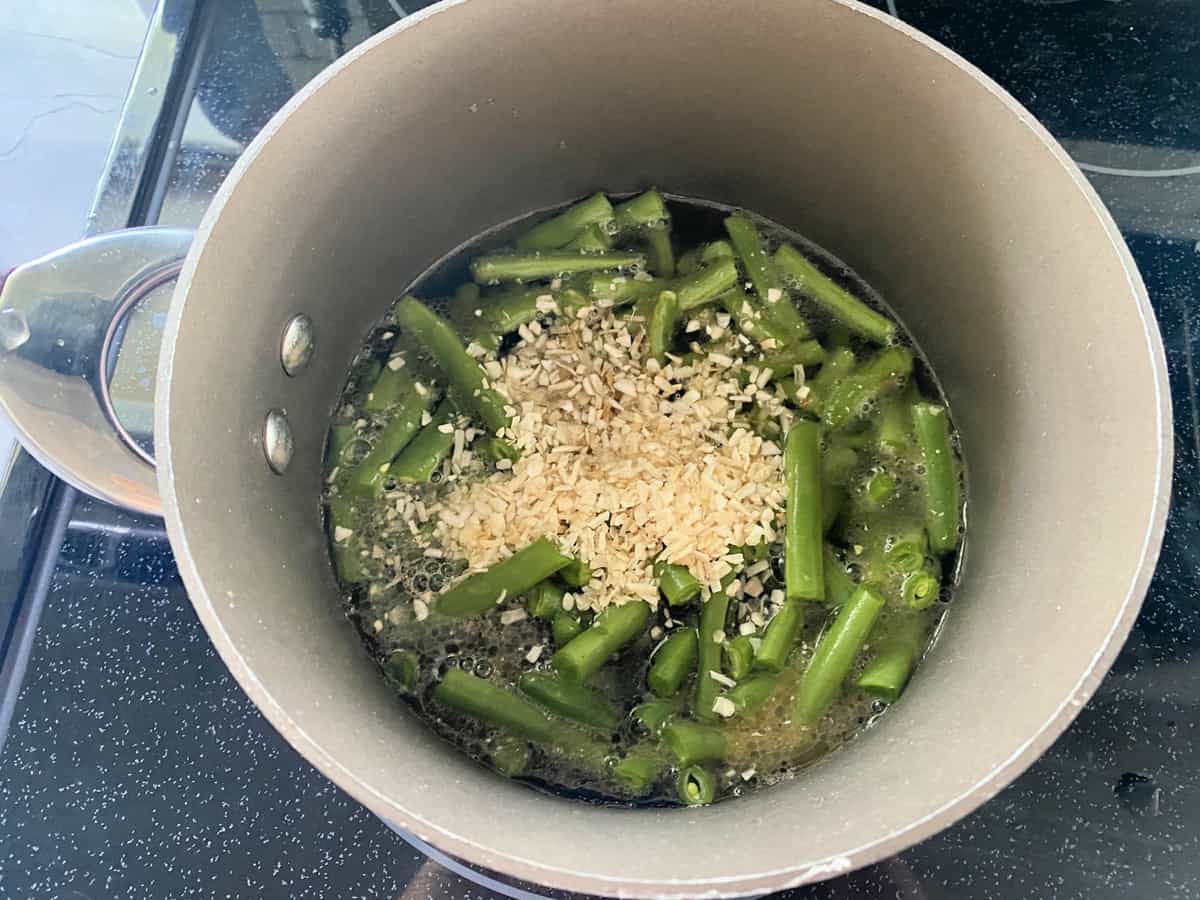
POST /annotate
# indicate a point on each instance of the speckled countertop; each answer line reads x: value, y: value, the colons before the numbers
x: 136, y: 768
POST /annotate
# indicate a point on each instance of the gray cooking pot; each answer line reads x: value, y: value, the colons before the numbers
x: 823, y: 115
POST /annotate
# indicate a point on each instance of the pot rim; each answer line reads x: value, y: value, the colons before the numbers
x: 784, y: 877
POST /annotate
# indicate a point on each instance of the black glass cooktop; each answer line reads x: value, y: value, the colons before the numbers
x: 134, y: 767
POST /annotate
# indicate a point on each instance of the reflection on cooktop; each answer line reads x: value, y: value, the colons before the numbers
x: 1096, y: 71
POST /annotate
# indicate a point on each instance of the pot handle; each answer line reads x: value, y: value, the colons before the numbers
x: 60, y: 328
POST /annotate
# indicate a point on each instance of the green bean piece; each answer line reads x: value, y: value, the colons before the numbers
x: 339, y: 437
x: 751, y: 320
x: 752, y: 693
x: 895, y: 424
x: 711, y: 637
x: 838, y: 583
x: 690, y: 743
x: 921, y: 589
x: 653, y: 715
x: 943, y: 506
x: 638, y: 770
x: 739, y: 657
x: 545, y: 601
x: 664, y: 319
x: 833, y: 503
x: 641, y: 211
x: 560, y: 229
x: 392, y: 386
x: 705, y: 284
x: 747, y: 242
x: 367, y: 478
x: 425, y: 452
x: 696, y: 786
x: 782, y: 363
x: 508, y: 578
x: 688, y: 262
x: 576, y: 573
x: 466, y: 294
x: 677, y: 584
x: 496, y: 267
x: 803, y: 575
x: 716, y: 251
x: 400, y: 670
x: 565, y: 627
x: 465, y: 376
x: 592, y: 239
x: 621, y: 290
x: 347, y: 559
x: 511, y: 756
x: 832, y: 298
x: 779, y: 637
x: 571, y: 701
x: 504, y: 313
x: 835, y: 654
x: 878, y: 489
x: 612, y: 630
x: 874, y: 379
x: 496, y: 449
x: 837, y: 366
x: 483, y: 700
x: 672, y: 663
x: 894, y: 659
x: 906, y: 553
x: 660, y: 256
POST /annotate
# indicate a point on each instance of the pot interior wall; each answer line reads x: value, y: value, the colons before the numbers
x: 813, y: 113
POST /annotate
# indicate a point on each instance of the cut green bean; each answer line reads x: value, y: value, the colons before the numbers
x: 875, y: 378
x: 894, y: 658
x: 836, y: 651
x: 920, y: 589
x: 425, y: 452
x: 660, y: 255
x: 560, y: 229
x: 571, y: 701
x: 367, y: 478
x: 907, y: 551
x: 545, y: 601
x: 878, y: 489
x: 716, y: 251
x: 678, y: 585
x: 705, y: 284
x: 690, y: 743
x: 672, y: 663
x: 401, y: 670
x: 594, y: 238
x: 498, y: 267
x: 653, y: 715
x: 466, y: 294
x: 508, y: 578
x: 696, y: 786
x: 779, y: 637
x: 340, y: 437
x: 804, y: 578
x: 576, y: 573
x: 837, y: 366
x: 347, y: 557
x: 483, y: 700
x: 751, y: 320
x: 638, y: 770
x: 783, y: 362
x: 710, y: 638
x: 565, y: 628
x: 688, y: 262
x: 392, y: 386
x: 612, y: 630
x: 943, y: 506
x: 621, y: 290
x: 641, y: 211
x: 739, y: 657
x: 838, y: 583
x: 752, y: 693
x: 832, y: 298
x: 747, y: 242
x: 660, y: 330
x: 895, y: 424
x: 496, y: 449
x: 465, y: 377
x: 511, y: 756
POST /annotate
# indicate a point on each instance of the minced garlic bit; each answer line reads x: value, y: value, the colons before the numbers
x: 721, y: 678
x: 341, y: 534
x: 512, y: 616
x: 724, y: 707
x: 420, y: 610
x: 396, y: 363
x: 534, y: 654
x: 622, y: 463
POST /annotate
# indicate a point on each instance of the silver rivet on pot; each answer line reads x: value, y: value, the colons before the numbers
x: 277, y: 441
x: 296, y: 348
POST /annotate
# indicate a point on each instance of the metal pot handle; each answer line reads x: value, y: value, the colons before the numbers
x: 59, y: 331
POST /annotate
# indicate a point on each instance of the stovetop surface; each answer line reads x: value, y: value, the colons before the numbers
x: 135, y: 767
